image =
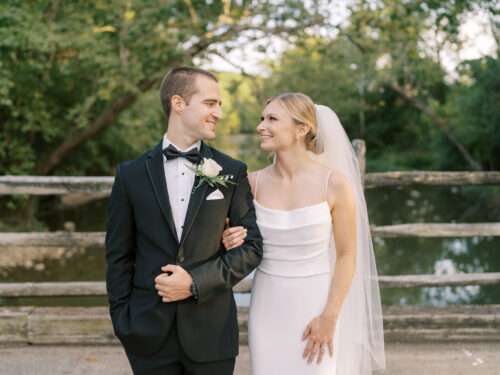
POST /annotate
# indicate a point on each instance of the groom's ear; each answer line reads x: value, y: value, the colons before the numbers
x: 177, y: 103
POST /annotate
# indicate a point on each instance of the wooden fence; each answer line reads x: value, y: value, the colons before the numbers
x: 476, y: 322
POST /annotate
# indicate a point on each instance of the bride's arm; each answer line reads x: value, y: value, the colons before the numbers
x: 344, y: 230
x: 233, y: 237
x: 321, y: 329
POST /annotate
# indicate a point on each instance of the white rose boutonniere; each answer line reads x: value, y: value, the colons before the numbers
x: 210, y: 168
x: 208, y: 171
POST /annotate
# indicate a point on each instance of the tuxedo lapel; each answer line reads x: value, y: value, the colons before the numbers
x: 156, y: 173
x: 197, y: 197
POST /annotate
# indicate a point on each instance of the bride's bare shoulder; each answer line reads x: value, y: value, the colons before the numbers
x: 252, y: 177
x: 339, y: 187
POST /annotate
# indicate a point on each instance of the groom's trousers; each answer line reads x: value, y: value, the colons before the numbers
x: 172, y: 360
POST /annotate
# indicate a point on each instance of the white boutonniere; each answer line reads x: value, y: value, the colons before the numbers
x: 208, y: 171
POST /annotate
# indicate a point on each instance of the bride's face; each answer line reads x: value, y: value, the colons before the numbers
x: 277, y: 129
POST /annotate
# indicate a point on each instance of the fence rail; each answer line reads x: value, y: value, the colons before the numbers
x: 59, y: 185
x: 92, y: 325
x: 54, y: 185
x: 384, y: 179
x: 96, y: 239
x: 98, y: 288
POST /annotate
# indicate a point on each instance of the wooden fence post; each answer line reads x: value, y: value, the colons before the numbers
x: 360, y: 149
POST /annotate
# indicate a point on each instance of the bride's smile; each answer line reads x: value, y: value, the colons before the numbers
x: 278, y: 130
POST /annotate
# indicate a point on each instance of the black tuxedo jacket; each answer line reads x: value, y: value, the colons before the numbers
x: 141, y: 238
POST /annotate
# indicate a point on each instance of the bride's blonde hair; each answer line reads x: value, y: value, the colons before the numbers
x: 302, y: 110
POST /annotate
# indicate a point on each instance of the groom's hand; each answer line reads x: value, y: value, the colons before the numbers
x: 175, y: 284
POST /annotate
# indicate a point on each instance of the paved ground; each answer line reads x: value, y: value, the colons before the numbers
x: 402, y: 359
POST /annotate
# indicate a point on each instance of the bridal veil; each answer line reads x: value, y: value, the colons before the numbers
x: 360, y: 324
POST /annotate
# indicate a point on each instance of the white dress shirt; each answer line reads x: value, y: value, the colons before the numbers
x: 180, y: 180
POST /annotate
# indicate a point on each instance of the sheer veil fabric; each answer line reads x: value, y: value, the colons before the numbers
x: 360, y: 328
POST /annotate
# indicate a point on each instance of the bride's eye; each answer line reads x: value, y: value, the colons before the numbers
x: 261, y: 118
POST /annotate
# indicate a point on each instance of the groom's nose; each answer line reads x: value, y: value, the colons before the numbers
x: 217, y: 113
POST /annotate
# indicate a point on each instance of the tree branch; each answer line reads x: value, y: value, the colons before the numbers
x: 109, y: 116
x: 192, y: 12
x: 439, y: 122
x: 105, y: 119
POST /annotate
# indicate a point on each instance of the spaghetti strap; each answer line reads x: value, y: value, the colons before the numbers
x: 256, y: 184
x: 326, y: 183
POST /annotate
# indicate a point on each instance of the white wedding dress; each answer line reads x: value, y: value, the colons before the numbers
x: 290, y: 288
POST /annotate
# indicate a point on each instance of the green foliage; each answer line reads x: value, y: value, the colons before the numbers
x: 79, y: 80
x: 65, y: 66
x: 473, y: 104
x: 68, y: 67
x: 390, y: 43
x: 334, y: 73
x: 241, y: 103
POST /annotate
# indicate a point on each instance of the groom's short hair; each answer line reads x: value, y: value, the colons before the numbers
x: 180, y: 81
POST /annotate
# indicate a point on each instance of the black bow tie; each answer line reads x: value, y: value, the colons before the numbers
x: 193, y: 155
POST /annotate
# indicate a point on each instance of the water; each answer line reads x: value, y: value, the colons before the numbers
x: 395, y: 256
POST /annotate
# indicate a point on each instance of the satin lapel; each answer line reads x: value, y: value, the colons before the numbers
x: 156, y: 173
x: 196, y: 198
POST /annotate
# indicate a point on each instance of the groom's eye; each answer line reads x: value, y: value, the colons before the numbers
x: 212, y: 103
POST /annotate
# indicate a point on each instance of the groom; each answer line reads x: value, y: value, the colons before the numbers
x: 169, y: 280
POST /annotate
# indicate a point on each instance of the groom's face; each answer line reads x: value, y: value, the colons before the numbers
x: 201, y: 115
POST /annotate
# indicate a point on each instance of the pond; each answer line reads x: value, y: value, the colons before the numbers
x: 395, y: 256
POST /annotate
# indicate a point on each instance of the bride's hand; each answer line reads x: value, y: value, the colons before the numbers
x: 233, y: 236
x: 319, y: 333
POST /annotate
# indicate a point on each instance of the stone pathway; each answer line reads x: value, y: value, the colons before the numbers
x: 402, y: 359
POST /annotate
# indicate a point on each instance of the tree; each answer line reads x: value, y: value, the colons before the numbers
x: 473, y: 104
x: 76, y: 76
x: 69, y: 76
x: 382, y: 72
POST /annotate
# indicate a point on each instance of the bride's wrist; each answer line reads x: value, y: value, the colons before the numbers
x: 331, y: 315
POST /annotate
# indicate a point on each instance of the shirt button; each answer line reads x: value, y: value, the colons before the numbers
x: 183, y: 173
x: 182, y: 199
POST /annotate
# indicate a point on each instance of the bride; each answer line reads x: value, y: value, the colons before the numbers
x: 315, y: 305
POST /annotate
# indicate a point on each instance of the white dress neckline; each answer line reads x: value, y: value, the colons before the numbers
x: 293, y: 209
